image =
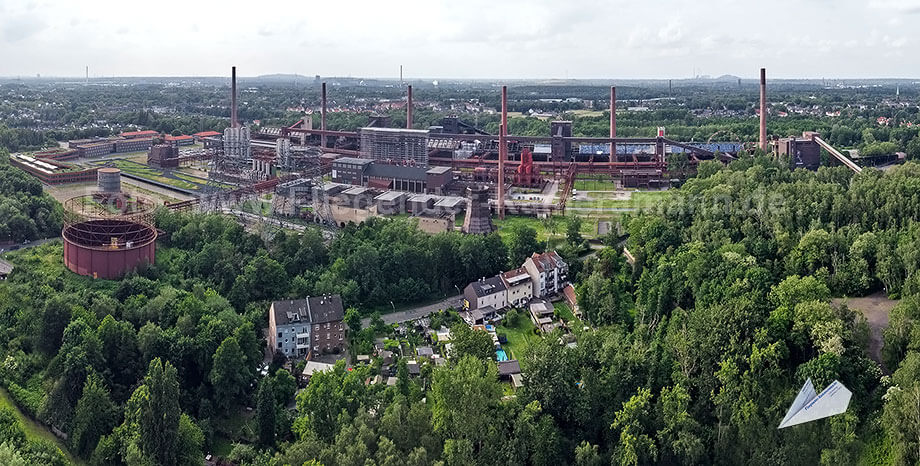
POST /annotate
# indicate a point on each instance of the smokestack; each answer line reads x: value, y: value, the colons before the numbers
x: 763, y: 109
x: 409, y: 109
x: 234, y: 122
x: 613, y: 123
x: 323, y: 118
x: 502, y: 153
x: 400, y: 74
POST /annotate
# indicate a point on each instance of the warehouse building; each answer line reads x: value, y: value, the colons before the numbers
x: 367, y: 172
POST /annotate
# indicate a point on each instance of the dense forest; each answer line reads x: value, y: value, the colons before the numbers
x: 26, y: 213
x: 689, y: 357
x: 696, y: 352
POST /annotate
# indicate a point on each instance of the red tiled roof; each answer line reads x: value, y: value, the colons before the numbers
x: 178, y: 138
x: 205, y: 134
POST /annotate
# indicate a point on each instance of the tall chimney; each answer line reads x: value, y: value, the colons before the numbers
x: 613, y: 124
x: 763, y: 109
x: 323, y: 119
x: 409, y: 109
x: 502, y: 153
x: 234, y: 122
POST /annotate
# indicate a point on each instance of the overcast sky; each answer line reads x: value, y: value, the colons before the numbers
x: 462, y: 38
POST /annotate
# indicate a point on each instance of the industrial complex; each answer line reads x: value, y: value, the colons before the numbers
x: 437, y: 174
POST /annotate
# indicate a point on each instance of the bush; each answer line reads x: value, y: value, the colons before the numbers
x: 27, y: 400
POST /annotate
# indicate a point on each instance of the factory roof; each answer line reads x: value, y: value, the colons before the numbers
x: 423, y: 198
x: 356, y: 191
x: 204, y: 134
x: 353, y: 160
x: 438, y: 170
x: 450, y: 202
x: 181, y: 137
x: 395, y: 130
x: 149, y: 132
x: 382, y: 170
x: 390, y: 196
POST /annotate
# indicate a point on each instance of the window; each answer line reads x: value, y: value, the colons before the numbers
x: 279, y: 344
x: 327, y: 325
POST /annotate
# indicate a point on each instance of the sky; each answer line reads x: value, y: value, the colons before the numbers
x: 462, y: 38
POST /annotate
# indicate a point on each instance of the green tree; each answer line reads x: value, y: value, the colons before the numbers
x: 635, y: 446
x: 521, y: 244
x: 265, y: 412
x: 467, y: 341
x: 228, y: 373
x: 902, y: 410
x: 158, y: 413
x: 573, y: 232
x: 95, y: 415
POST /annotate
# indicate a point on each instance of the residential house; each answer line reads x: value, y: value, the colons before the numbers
x: 314, y: 367
x: 541, y: 313
x: 486, y: 292
x: 302, y: 327
x: 548, y: 273
x: 518, y: 285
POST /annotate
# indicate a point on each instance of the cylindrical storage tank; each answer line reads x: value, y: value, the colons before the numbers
x: 109, y: 180
x: 108, y: 248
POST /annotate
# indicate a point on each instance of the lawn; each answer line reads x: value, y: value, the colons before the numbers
x: 637, y: 200
x: 34, y: 430
x: 520, y: 337
x: 595, y: 185
x: 506, y: 226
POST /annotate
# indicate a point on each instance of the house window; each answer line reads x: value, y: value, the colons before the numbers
x: 279, y: 335
x: 279, y: 344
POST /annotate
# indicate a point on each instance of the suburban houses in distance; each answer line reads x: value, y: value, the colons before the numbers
x: 541, y: 276
x: 308, y: 327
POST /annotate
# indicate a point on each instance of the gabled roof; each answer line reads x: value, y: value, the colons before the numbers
x: 313, y: 310
x: 547, y: 260
x: 506, y: 368
x: 515, y: 277
x: 488, y: 286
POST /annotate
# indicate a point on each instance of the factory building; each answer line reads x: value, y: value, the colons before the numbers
x: 367, y: 172
x: 181, y: 140
x: 395, y: 146
x: 802, y: 152
x: 163, y: 156
x: 237, y: 142
x: 52, y: 172
x: 133, y: 145
x: 139, y: 134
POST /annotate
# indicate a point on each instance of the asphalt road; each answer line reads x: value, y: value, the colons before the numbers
x: 417, y: 312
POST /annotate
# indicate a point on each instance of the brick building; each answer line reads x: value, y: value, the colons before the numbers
x: 304, y: 327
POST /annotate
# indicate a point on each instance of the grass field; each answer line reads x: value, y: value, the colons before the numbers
x: 595, y: 185
x: 506, y: 226
x: 34, y: 430
x: 520, y: 337
x: 637, y: 200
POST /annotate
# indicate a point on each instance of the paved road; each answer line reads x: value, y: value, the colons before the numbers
x: 30, y: 244
x: 416, y: 313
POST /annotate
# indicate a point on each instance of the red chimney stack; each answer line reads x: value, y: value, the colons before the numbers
x: 502, y: 153
x: 323, y: 119
x: 613, y: 124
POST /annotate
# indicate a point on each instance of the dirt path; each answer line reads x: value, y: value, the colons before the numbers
x: 876, y: 308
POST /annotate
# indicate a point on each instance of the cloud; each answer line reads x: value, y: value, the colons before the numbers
x: 19, y: 27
